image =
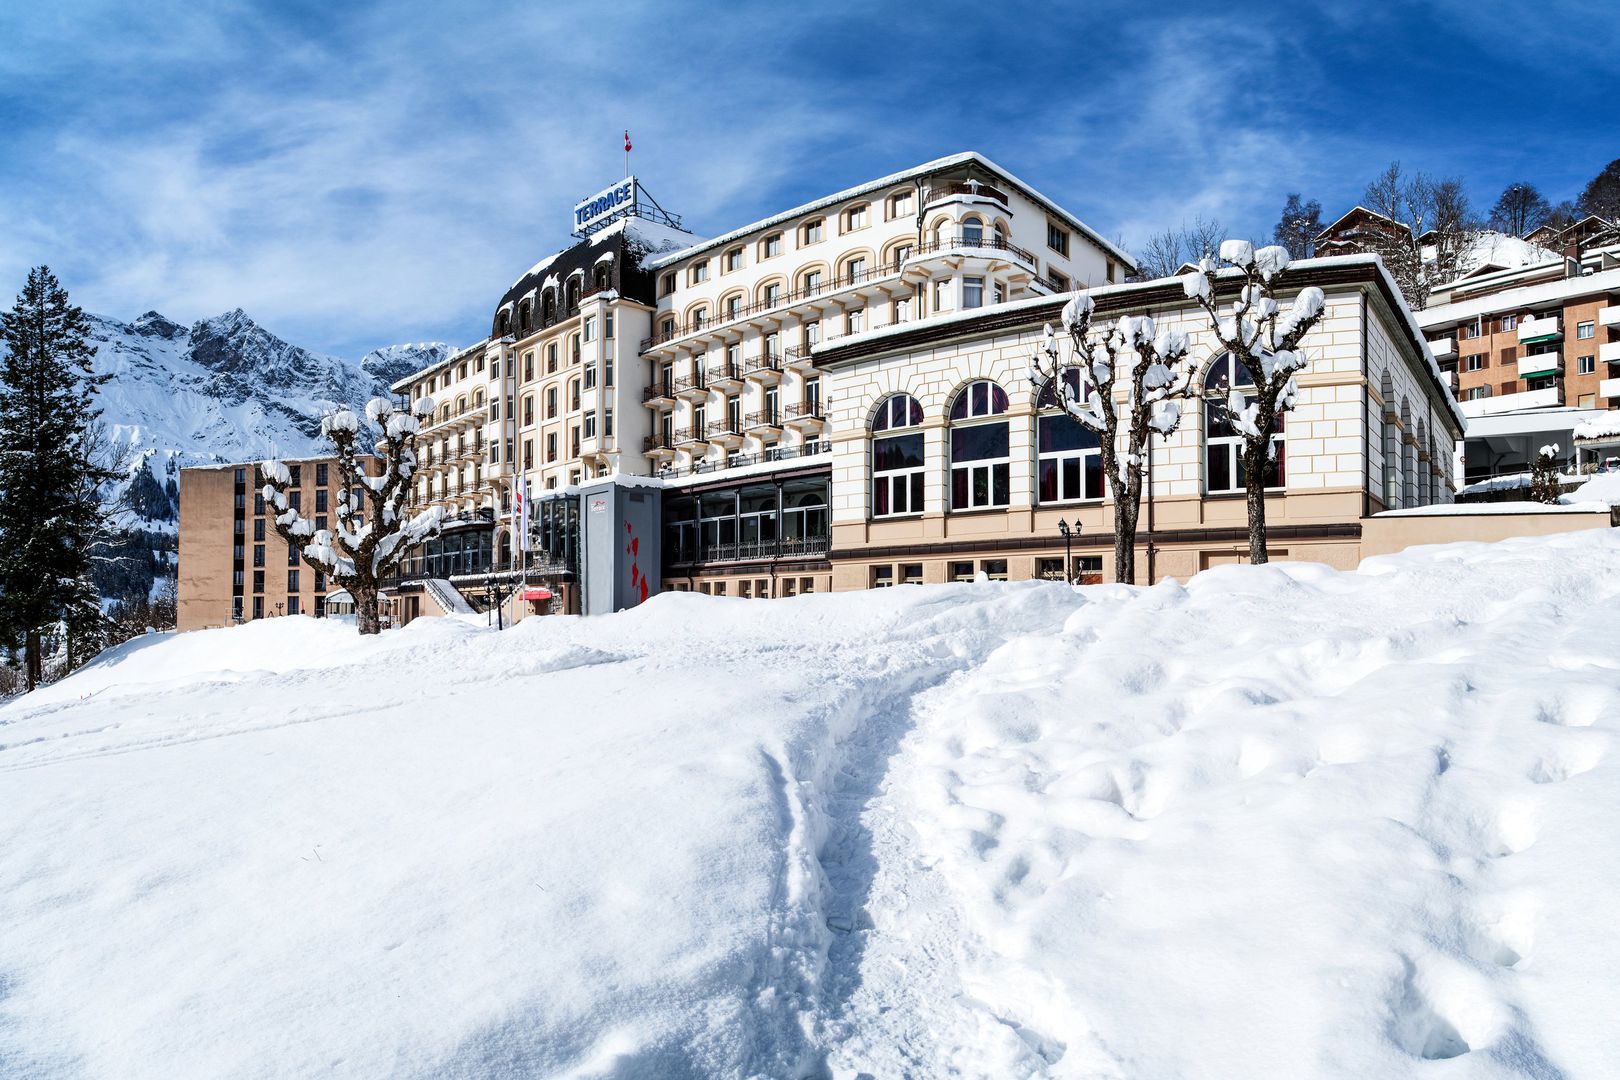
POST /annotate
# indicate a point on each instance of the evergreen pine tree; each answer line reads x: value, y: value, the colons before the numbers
x: 47, y: 408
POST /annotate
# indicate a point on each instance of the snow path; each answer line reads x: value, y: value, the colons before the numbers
x: 1279, y: 823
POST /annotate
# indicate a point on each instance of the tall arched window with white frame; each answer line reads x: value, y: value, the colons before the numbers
x: 897, y: 457
x: 980, y: 463
x: 1223, y: 444
x: 1068, y: 456
x: 972, y: 231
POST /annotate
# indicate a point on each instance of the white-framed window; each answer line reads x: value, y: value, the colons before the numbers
x: 972, y: 231
x: 899, y: 204
x: 998, y: 292
x: 1068, y: 463
x: 772, y: 245
x: 773, y: 345
x: 733, y: 306
x: 812, y: 232
x: 855, y: 269
x: 811, y: 283
x: 902, y: 309
x: 855, y: 218
x: 855, y: 320
x: 590, y: 328
x: 897, y: 457
x: 773, y: 294
x: 981, y: 466
x: 1510, y: 322
x: 972, y: 292
x: 942, y: 295
x: 1475, y: 362
x: 590, y: 376
x: 1585, y: 365
x: 1223, y: 444
x: 1585, y: 331
x: 590, y: 425
x: 733, y: 260
x: 700, y: 272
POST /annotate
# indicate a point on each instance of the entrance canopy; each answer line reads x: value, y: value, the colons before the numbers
x: 537, y: 594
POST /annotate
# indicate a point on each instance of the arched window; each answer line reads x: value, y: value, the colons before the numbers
x: 548, y: 307
x: 980, y: 464
x: 1223, y: 444
x: 897, y: 457
x: 699, y: 318
x: 525, y: 318
x: 810, y: 282
x: 1068, y: 463
x: 503, y: 324
x: 972, y: 231
x: 572, y: 295
x: 1408, y: 457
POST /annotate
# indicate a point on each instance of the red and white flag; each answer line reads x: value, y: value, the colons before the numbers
x: 627, y: 142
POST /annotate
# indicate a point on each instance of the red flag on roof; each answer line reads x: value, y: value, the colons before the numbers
x: 627, y: 142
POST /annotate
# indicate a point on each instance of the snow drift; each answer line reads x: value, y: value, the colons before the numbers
x: 1278, y: 822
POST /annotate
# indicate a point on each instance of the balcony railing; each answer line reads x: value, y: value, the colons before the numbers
x: 1443, y: 347
x: 737, y: 461
x: 725, y: 373
x: 1546, y: 328
x: 1609, y: 316
x: 709, y: 322
x: 720, y: 428
x: 660, y: 389
x: 983, y: 191
x: 658, y: 442
x: 756, y: 550
x: 767, y: 418
x: 1546, y: 363
x: 990, y: 243
x: 688, y: 435
x: 1609, y: 352
x: 695, y: 381
x: 802, y: 410
x: 764, y: 362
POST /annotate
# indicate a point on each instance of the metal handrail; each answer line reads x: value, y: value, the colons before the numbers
x: 804, y: 409
x: 765, y: 418
x: 951, y: 190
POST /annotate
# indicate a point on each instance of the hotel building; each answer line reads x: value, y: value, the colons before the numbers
x: 837, y: 397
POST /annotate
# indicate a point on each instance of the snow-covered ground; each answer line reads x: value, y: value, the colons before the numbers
x: 1280, y: 822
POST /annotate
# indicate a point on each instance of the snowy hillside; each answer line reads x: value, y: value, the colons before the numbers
x: 1282, y: 822
x: 226, y: 388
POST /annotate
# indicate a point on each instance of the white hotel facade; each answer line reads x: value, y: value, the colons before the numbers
x: 772, y: 381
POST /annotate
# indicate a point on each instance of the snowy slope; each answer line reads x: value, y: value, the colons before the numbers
x: 1280, y: 822
x: 226, y: 388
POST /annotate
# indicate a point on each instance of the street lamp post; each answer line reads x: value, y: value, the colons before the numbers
x: 1068, y: 548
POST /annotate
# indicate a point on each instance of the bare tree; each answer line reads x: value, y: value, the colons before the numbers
x: 1520, y: 209
x: 1144, y: 361
x: 1432, y: 230
x: 1602, y: 194
x: 1297, y: 227
x: 373, y: 529
x: 1264, y: 339
x: 1168, y: 251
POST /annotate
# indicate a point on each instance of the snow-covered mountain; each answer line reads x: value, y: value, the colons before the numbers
x: 228, y: 389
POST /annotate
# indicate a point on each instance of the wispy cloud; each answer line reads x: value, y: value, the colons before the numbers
x: 360, y: 174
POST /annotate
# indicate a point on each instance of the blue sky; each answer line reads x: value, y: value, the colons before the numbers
x: 361, y: 174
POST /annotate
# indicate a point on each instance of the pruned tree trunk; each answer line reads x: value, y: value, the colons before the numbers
x: 33, y: 661
x: 1254, y: 460
x: 367, y: 610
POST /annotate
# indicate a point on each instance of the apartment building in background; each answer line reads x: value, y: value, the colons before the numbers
x: 234, y: 566
x: 1529, y: 351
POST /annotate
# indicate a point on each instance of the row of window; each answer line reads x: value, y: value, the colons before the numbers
x: 1584, y: 331
x: 1068, y: 457
x: 1083, y: 570
x: 292, y: 606
x: 1584, y: 365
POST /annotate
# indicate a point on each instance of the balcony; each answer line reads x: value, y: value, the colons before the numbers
x: 762, y: 366
x: 972, y: 188
x: 1546, y: 328
x: 780, y: 300
x: 1503, y: 403
x: 657, y: 444
x: 659, y: 393
x: 765, y: 419
x: 981, y: 243
x: 779, y: 452
x: 1609, y: 352
x: 808, y: 410
x: 756, y: 550
x: 1610, y: 317
x: 1609, y: 388
x: 688, y: 435
x: 698, y: 380
x: 1443, y: 348
x: 1547, y: 363
x: 722, y: 376
x: 724, y: 431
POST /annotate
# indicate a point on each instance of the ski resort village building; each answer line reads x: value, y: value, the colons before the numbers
x: 838, y: 397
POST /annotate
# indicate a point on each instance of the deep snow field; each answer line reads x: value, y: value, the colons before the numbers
x: 1280, y: 822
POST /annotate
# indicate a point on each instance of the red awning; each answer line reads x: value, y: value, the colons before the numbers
x: 537, y: 594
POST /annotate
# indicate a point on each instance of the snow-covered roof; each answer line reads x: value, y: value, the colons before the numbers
x: 404, y: 384
x: 535, y: 269
x: 964, y: 158
x: 1352, y: 212
x: 1606, y: 426
x: 1486, y: 509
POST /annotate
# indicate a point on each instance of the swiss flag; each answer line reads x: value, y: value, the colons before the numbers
x: 627, y: 142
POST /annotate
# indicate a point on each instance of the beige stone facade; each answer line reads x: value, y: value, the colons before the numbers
x: 1373, y: 430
